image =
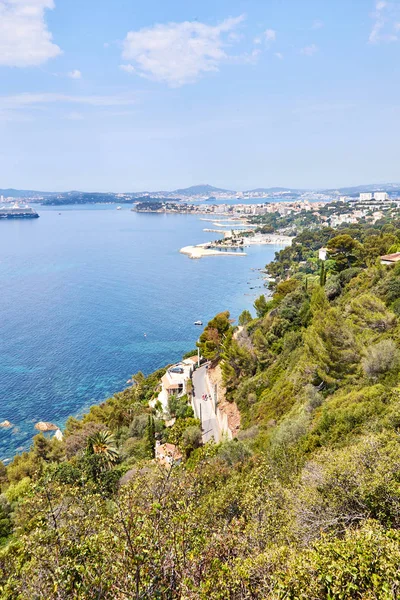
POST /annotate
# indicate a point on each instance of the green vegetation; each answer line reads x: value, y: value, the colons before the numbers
x: 303, y: 504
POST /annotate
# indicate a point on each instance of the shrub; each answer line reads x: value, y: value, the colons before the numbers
x: 396, y: 307
x: 18, y: 490
x: 234, y: 452
x: 137, y: 428
x: 363, y: 565
x: 380, y: 358
x: 191, y: 439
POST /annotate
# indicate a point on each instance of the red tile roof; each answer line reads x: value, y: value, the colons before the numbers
x: 391, y: 257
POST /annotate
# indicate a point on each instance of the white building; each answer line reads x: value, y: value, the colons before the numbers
x: 381, y: 196
x: 322, y: 253
x: 174, y: 382
x: 364, y: 197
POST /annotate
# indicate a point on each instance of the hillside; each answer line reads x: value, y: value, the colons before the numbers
x: 272, y: 190
x: 303, y: 504
x: 199, y: 189
x: 11, y: 193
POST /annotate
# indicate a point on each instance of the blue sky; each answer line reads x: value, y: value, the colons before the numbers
x: 125, y: 95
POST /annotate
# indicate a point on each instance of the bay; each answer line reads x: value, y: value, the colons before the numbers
x: 79, y: 289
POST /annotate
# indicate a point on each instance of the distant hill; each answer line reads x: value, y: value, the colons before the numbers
x: 274, y: 190
x: 12, y: 193
x: 393, y: 188
x: 78, y: 197
x: 200, y: 189
x: 85, y: 198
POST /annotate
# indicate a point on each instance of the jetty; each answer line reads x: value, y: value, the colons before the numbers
x: 205, y: 250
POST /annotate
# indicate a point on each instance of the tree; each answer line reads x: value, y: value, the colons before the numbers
x: 244, y: 318
x: 102, y: 444
x: 178, y: 407
x: 238, y: 362
x: 330, y: 342
x: 41, y: 446
x: 213, y: 337
x: 322, y: 275
x: 189, y: 387
x: 3, y: 473
x: 261, y: 306
x: 151, y: 436
x: 345, y: 251
x: 191, y: 439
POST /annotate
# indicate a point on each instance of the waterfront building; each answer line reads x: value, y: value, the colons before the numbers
x: 173, y: 383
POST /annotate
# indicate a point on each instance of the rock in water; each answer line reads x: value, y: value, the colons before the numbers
x: 5, y: 424
x: 44, y: 426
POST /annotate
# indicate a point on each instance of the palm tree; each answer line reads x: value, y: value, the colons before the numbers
x: 102, y: 443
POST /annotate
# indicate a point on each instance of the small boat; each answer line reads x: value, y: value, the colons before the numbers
x: 119, y: 207
x: 198, y: 323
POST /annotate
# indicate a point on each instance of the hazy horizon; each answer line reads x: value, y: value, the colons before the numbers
x: 181, y: 187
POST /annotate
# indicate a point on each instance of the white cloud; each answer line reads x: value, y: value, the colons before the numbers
x: 75, y: 74
x: 21, y: 101
x: 317, y: 24
x: 178, y: 53
x: 270, y: 35
x: 309, y: 50
x: 128, y: 68
x: 279, y: 55
x: 24, y: 38
x: 383, y: 28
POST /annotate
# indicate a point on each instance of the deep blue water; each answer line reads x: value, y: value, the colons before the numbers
x: 78, y: 292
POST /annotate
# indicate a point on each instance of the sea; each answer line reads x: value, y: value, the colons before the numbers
x: 90, y: 295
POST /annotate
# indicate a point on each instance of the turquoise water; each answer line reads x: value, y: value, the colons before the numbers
x: 79, y: 290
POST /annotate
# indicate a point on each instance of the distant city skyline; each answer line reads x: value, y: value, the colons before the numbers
x: 239, y: 93
x: 378, y: 187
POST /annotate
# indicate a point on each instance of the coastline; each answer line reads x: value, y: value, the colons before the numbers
x: 74, y: 383
x: 212, y: 248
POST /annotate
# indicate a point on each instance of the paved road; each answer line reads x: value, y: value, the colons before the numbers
x: 205, y: 407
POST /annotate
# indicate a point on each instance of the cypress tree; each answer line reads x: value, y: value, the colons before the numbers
x: 322, y: 275
x: 151, y: 436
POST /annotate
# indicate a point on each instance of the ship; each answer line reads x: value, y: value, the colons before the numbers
x: 18, y: 212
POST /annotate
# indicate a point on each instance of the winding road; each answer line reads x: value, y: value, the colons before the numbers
x: 204, y: 409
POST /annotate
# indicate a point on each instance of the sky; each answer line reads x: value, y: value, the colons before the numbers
x: 129, y: 95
